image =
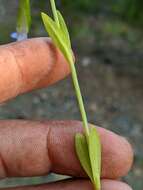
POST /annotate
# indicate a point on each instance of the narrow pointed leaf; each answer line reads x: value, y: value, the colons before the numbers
x: 83, y: 154
x: 64, y: 29
x: 88, y: 148
x: 95, y: 156
x: 24, y: 17
x: 55, y: 33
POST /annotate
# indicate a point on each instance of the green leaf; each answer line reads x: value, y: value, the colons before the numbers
x: 88, y: 147
x: 94, y: 146
x: 56, y: 34
x: 24, y: 17
x: 83, y: 154
x: 64, y: 28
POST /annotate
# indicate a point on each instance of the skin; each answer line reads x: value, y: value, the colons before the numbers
x: 33, y: 148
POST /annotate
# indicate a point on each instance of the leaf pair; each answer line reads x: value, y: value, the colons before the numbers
x: 59, y: 34
x: 88, y: 148
x: 89, y: 153
x: 24, y: 17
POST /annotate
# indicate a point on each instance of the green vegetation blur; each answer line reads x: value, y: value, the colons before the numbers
x: 131, y: 10
x: 76, y: 12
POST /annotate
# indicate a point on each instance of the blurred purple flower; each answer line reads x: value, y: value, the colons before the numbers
x: 13, y: 35
x: 18, y: 37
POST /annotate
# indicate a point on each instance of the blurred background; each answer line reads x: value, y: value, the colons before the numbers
x: 107, y: 39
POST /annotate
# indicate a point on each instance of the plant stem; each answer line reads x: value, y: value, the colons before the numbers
x: 79, y: 97
x: 54, y: 10
x: 74, y: 76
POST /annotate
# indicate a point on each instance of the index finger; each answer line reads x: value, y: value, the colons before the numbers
x: 37, y: 148
x: 29, y: 64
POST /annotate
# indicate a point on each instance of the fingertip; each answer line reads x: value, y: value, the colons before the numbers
x: 128, y: 156
x: 114, y: 185
x: 118, y: 153
x: 60, y: 68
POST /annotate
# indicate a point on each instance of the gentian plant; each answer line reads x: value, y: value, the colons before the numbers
x: 87, y: 145
x: 23, y: 21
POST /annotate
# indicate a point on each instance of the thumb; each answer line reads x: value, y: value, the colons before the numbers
x: 28, y: 65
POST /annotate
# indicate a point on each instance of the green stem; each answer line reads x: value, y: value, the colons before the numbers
x: 54, y: 10
x: 74, y: 76
x: 79, y: 97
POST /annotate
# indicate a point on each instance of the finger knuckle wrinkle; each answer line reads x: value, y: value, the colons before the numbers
x: 3, y: 167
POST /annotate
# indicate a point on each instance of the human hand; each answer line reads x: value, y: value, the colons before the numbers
x: 35, y: 148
